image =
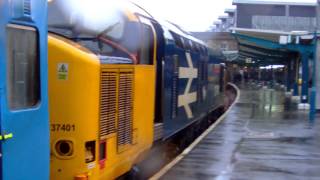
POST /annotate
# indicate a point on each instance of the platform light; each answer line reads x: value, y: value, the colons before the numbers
x: 272, y: 67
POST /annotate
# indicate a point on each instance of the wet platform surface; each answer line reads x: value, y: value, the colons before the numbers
x: 263, y: 137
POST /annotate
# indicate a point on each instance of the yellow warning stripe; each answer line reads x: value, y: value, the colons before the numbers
x: 6, y: 136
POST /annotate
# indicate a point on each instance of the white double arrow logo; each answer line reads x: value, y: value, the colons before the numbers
x: 188, y: 97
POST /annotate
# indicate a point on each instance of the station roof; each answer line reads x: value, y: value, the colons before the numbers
x: 229, y: 11
x: 206, y: 36
x: 223, y: 17
x: 271, y: 35
x: 270, y: 47
x: 277, y: 2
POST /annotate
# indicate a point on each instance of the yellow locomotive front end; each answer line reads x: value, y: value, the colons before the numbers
x: 74, y: 109
x: 102, y: 91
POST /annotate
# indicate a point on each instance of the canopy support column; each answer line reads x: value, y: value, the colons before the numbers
x: 296, y: 77
x: 289, y: 76
x: 305, y: 78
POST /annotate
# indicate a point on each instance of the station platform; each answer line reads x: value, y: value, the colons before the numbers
x: 263, y: 136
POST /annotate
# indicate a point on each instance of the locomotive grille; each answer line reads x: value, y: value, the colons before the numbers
x: 174, y: 100
x: 27, y: 7
x: 125, y: 108
x: 175, y: 81
x: 116, y: 105
x: 200, y: 82
x: 108, y: 93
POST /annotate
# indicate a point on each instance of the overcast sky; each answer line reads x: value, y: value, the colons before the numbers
x: 193, y: 15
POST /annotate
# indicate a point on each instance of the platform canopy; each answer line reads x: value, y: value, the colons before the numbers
x: 265, y: 47
x: 296, y: 50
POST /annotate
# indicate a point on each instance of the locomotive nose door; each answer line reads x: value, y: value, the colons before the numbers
x: 24, y: 135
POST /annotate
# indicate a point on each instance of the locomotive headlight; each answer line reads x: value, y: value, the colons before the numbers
x: 64, y: 148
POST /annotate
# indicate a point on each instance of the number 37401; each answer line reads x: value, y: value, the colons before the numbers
x: 63, y: 127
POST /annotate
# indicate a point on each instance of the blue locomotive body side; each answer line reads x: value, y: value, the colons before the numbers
x: 24, y: 122
x: 191, y: 90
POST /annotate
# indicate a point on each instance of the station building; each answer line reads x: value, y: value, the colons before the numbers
x: 275, y: 15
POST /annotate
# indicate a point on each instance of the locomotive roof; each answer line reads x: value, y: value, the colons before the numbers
x: 136, y: 9
x: 70, y: 15
x: 167, y: 25
x: 180, y: 31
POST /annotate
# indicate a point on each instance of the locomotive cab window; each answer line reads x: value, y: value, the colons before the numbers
x: 146, y: 52
x: 23, y: 78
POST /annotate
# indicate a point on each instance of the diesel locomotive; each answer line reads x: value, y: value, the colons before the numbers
x: 120, y: 80
x: 117, y: 81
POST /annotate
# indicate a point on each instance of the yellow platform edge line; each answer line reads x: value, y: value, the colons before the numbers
x: 166, y: 168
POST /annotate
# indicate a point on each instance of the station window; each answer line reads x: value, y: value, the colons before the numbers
x: 223, y: 47
x: 23, y: 75
x: 146, y: 53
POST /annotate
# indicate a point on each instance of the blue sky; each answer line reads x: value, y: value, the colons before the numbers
x: 193, y: 15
